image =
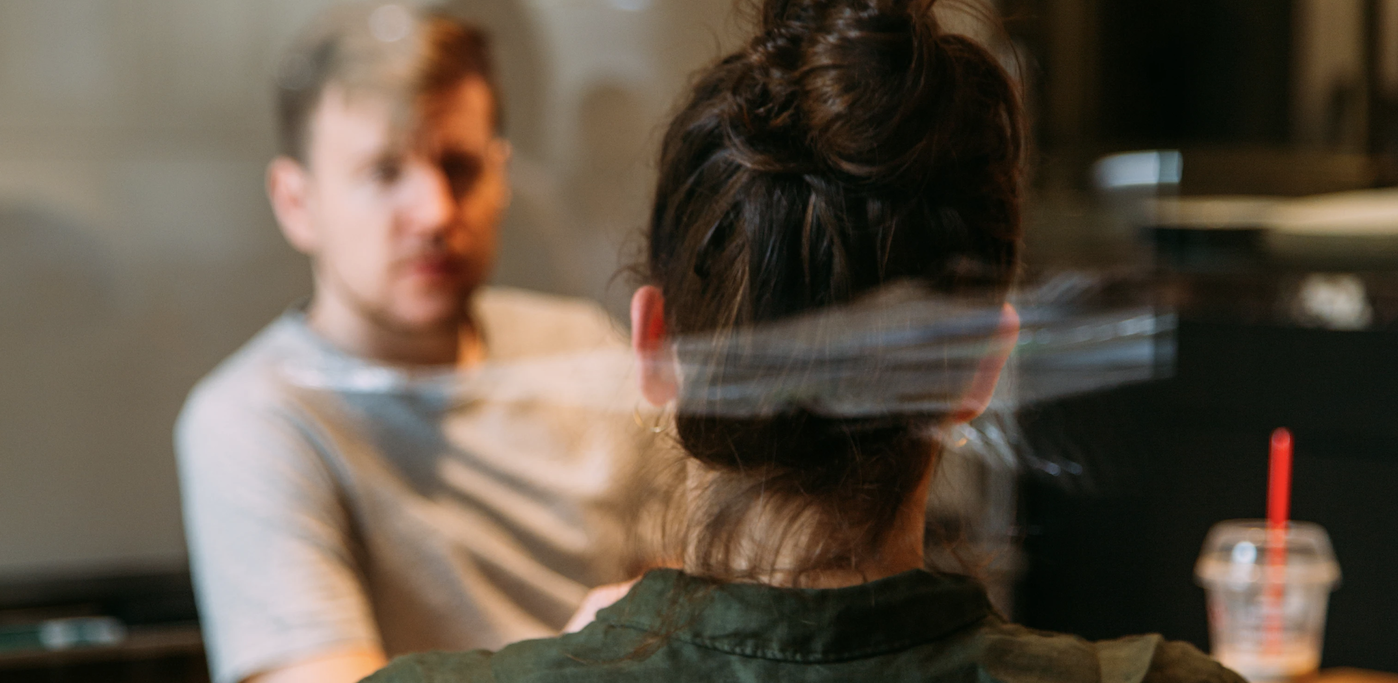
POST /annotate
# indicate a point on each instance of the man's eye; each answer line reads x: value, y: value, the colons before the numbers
x: 388, y: 171
x: 462, y: 171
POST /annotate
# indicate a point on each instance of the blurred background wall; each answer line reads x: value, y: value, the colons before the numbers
x: 137, y: 249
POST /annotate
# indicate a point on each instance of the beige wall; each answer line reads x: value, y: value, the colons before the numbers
x: 136, y: 249
x: 607, y: 77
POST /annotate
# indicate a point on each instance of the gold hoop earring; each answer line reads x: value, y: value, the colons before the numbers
x: 656, y: 428
x: 954, y: 437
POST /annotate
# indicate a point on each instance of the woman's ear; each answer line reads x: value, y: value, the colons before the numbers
x: 655, y: 357
x: 982, y: 387
x: 288, y: 188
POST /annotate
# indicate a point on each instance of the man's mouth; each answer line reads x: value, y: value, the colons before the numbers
x: 435, y: 266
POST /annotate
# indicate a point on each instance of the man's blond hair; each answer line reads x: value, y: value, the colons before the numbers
x: 408, y: 56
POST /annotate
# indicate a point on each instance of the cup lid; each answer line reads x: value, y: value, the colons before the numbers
x: 1235, y: 552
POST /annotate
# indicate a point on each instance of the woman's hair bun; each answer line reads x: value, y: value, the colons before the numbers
x: 867, y: 89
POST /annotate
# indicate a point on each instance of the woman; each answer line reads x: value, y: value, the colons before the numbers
x: 852, y: 148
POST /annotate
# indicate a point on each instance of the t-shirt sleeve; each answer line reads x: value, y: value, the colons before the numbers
x: 270, y: 543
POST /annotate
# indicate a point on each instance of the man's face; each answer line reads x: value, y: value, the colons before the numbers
x: 401, y: 226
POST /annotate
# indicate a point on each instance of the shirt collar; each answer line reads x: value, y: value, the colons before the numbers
x: 806, y: 625
x: 319, y: 364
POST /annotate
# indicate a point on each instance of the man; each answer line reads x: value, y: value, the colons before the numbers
x: 355, y: 485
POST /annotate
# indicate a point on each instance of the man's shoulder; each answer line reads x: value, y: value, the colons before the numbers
x: 249, y: 379
x: 519, y: 322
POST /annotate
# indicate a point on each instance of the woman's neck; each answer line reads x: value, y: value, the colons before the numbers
x: 901, y: 550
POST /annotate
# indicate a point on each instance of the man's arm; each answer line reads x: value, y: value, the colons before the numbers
x: 598, y: 599
x: 271, y: 543
x: 336, y: 667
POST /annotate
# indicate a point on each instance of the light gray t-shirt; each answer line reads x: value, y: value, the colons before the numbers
x: 333, y: 502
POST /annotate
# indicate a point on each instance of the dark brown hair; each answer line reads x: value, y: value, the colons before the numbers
x: 421, y: 55
x: 850, y: 145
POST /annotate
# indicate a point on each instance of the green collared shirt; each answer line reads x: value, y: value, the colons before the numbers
x: 916, y: 626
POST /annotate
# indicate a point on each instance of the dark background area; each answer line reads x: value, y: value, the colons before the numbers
x: 1188, y: 72
x: 1111, y: 551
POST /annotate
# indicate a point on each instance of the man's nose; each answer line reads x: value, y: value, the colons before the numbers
x: 430, y: 203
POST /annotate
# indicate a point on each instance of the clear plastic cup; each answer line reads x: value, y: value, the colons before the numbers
x: 1267, y: 610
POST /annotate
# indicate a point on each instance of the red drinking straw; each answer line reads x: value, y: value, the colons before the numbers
x: 1278, y: 511
x: 1279, y: 482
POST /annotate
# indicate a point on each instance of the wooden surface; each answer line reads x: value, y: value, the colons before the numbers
x: 1348, y: 675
